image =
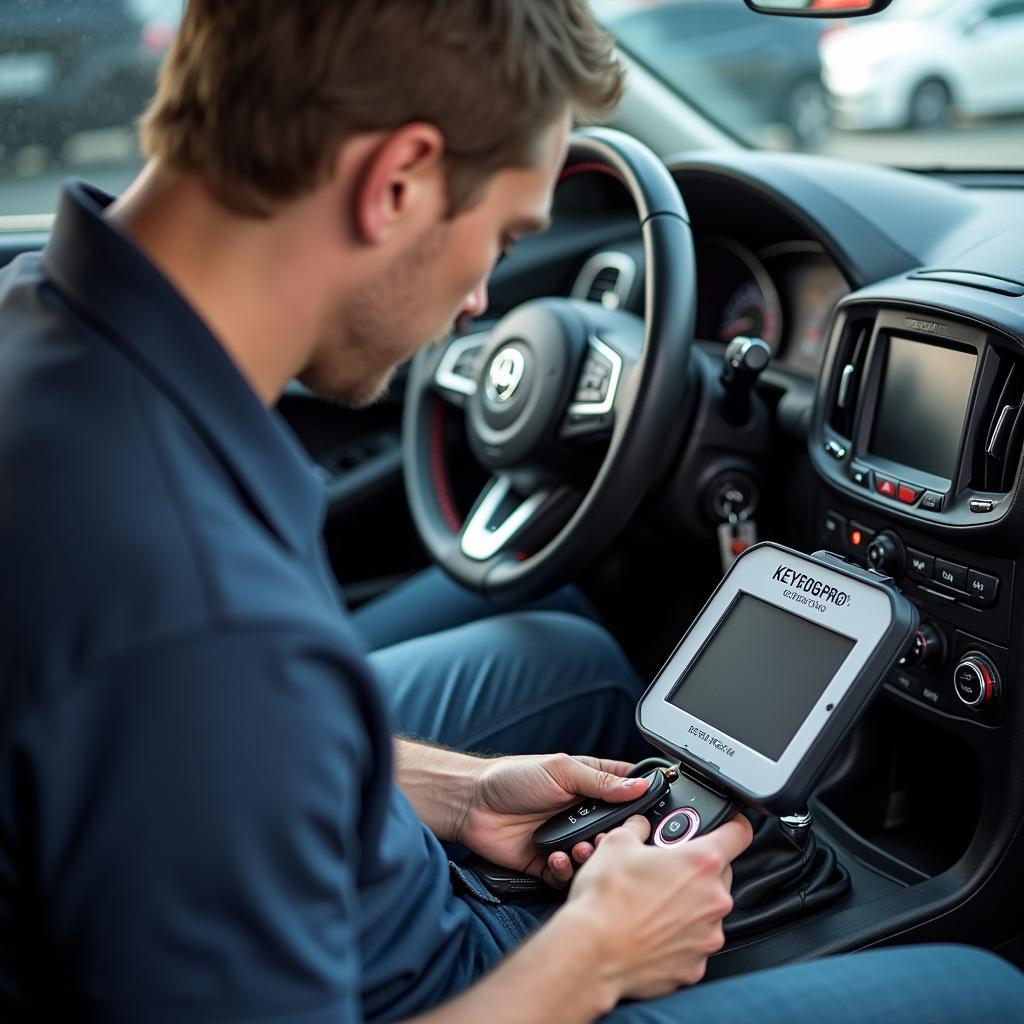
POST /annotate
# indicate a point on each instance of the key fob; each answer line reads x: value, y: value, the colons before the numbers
x: 584, y: 820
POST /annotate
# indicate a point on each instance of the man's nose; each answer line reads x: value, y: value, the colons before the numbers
x: 476, y: 301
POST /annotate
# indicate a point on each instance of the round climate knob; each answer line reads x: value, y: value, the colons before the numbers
x: 976, y: 680
x: 885, y: 553
x: 927, y: 648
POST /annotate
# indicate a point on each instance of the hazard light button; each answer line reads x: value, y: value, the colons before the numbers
x: 885, y: 486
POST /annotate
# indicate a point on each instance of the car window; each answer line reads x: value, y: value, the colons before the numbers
x: 919, y: 86
x: 1011, y: 9
x: 74, y: 77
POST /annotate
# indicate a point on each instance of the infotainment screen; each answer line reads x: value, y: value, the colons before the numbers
x: 923, y: 405
x: 760, y: 674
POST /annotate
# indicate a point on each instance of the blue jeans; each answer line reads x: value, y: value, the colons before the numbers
x: 460, y: 671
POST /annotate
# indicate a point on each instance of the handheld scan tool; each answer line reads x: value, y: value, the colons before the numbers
x: 761, y: 690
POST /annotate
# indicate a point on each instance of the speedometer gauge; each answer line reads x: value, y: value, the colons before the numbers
x: 737, y: 294
x: 751, y: 313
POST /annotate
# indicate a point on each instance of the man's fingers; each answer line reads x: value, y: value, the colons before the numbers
x: 730, y: 839
x: 582, y: 852
x: 604, y: 764
x: 575, y: 775
x: 637, y: 826
x: 559, y: 871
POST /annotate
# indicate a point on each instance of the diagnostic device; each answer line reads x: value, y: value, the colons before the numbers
x: 767, y: 682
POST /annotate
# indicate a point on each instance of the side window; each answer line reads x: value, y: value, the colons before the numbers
x: 74, y: 77
x: 1009, y: 9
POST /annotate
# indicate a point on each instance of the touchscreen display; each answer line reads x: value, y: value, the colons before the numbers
x: 923, y: 404
x: 760, y: 675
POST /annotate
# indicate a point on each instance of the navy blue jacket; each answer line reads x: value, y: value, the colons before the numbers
x: 197, y: 814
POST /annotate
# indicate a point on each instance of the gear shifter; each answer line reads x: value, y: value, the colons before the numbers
x: 745, y: 360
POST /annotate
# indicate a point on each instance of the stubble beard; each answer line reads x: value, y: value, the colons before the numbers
x: 368, y: 339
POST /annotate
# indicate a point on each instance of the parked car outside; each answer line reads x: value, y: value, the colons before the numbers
x: 67, y: 67
x: 926, y: 61
x: 739, y: 66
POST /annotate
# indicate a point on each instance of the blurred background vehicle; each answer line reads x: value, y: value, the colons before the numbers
x: 925, y: 61
x: 740, y: 68
x: 68, y: 67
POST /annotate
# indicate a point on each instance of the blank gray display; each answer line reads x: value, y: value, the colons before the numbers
x: 760, y: 674
x: 921, y: 413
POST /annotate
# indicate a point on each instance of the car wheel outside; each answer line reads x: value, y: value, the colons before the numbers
x: 807, y: 112
x: 931, y: 105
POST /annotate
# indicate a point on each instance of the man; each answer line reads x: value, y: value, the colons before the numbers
x: 200, y: 817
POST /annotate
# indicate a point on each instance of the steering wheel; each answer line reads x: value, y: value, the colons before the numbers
x: 567, y: 404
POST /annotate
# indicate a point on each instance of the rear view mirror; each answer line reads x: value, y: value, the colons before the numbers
x: 819, y: 8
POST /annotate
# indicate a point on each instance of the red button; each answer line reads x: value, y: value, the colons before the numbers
x: 907, y: 494
x: 885, y: 486
x: 856, y: 538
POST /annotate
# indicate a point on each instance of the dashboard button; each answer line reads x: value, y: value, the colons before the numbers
x: 836, y: 450
x: 950, y: 574
x: 858, y: 539
x: 885, y: 486
x: 860, y: 475
x: 982, y: 588
x: 920, y: 565
x: 833, y: 531
x: 932, y: 501
x: 907, y: 493
x: 981, y: 505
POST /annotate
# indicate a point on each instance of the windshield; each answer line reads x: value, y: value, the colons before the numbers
x: 930, y: 83
x: 926, y: 84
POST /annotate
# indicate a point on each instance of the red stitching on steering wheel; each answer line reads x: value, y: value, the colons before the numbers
x: 589, y: 167
x: 439, y: 471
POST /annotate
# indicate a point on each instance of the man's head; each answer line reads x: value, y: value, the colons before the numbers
x: 414, y: 139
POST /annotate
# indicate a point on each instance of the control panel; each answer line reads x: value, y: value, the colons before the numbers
x: 958, y: 661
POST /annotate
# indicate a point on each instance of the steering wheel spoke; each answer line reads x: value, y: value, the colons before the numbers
x: 457, y: 372
x: 499, y: 517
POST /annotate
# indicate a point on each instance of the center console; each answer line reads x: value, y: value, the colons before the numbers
x: 916, y: 438
x: 919, y: 432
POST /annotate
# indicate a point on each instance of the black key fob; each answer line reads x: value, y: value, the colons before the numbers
x: 583, y: 821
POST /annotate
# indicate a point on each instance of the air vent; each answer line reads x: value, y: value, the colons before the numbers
x: 1001, y: 438
x: 606, y: 278
x: 852, y: 355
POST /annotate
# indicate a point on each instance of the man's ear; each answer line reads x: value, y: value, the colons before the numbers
x: 402, y: 182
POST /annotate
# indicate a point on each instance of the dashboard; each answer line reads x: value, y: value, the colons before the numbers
x: 784, y: 293
x: 890, y: 430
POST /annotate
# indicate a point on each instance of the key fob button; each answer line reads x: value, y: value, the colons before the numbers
x: 677, y: 827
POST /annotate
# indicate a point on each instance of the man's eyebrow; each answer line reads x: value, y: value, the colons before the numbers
x: 530, y: 226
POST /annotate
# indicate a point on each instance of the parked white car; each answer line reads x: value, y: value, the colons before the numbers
x: 925, y: 61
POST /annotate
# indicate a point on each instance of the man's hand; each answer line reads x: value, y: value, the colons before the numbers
x: 515, y: 795
x: 656, y: 914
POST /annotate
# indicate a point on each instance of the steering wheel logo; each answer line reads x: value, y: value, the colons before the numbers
x: 505, y: 375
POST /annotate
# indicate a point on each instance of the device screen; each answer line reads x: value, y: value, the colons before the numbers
x: 760, y: 675
x: 923, y: 406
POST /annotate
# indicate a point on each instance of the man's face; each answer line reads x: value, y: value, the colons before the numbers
x: 440, y: 275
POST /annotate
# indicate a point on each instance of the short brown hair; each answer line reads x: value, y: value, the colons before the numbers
x: 256, y: 95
